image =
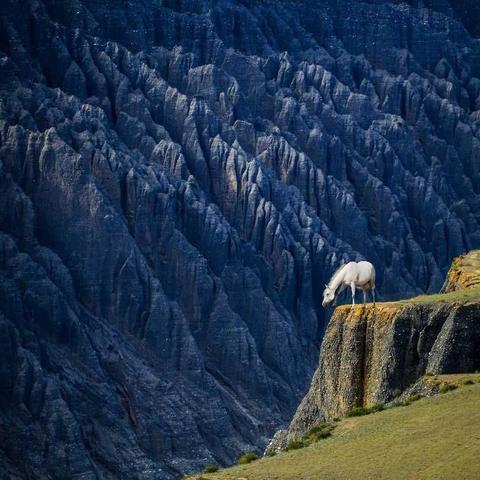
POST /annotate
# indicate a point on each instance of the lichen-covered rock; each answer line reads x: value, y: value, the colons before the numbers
x: 178, y: 179
x: 464, y: 273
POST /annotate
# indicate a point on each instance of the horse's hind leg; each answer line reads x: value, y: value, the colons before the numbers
x: 373, y: 295
x: 352, y: 286
x: 364, y: 296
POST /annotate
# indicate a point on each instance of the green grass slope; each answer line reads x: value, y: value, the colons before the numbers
x: 433, y: 438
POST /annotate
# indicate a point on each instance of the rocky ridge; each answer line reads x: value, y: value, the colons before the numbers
x: 178, y: 179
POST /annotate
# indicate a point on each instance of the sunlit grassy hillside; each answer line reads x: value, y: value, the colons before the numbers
x: 432, y: 438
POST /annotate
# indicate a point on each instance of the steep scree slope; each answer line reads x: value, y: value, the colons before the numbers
x: 177, y: 181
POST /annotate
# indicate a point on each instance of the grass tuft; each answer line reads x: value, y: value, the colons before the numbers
x: 315, y: 434
x: 414, y: 398
x: 247, y: 458
x: 361, y: 411
x: 295, y: 445
x: 321, y: 428
x: 447, y: 387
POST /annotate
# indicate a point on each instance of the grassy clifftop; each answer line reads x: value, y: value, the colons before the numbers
x: 433, y: 438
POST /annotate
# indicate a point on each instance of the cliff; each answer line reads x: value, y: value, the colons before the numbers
x: 178, y: 179
x: 369, y: 352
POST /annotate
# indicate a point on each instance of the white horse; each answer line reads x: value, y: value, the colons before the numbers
x: 354, y: 275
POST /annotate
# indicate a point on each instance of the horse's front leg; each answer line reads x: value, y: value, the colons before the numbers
x: 352, y: 286
x: 364, y: 296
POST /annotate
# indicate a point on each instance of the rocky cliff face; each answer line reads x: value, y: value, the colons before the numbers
x: 368, y: 352
x: 177, y: 181
x: 464, y: 274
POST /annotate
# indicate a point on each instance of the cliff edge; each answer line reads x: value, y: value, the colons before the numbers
x: 369, y: 353
x: 464, y: 273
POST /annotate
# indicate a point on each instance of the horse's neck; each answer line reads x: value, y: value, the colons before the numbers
x: 337, y: 279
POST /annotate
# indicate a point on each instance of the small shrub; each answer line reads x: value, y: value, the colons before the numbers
x: 316, y: 429
x: 357, y: 412
x: 323, y: 434
x: 336, y: 419
x: 414, y: 398
x: 321, y: 427
x: 294, y: 445
x: 271, y: 453
x: 210, y: 469
x: 360, y: 411
x: 396, y: 393
x: 248, y: 457
x: 318, y: 432
x: 447, y: 387
x: 468, y: 382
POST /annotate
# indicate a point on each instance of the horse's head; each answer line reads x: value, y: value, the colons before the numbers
x: 328, y: 296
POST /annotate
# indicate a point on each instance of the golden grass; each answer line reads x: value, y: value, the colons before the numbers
x: 459, y: 297
x: 433, y: 438
x: 468, y: 295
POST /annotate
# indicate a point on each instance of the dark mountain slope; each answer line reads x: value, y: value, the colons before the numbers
x: 178, y: 180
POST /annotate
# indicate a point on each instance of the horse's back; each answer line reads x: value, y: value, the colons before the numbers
x: 366, y: 272
x: 367, y: 266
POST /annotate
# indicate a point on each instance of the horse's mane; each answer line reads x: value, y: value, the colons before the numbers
x: 337, y: 271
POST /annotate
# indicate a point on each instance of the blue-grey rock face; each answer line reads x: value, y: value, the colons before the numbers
x: 178, y: 179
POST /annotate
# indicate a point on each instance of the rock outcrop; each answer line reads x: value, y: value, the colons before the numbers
x: 178, y: 179
x: 464, y: 273
x: 369, y: 352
